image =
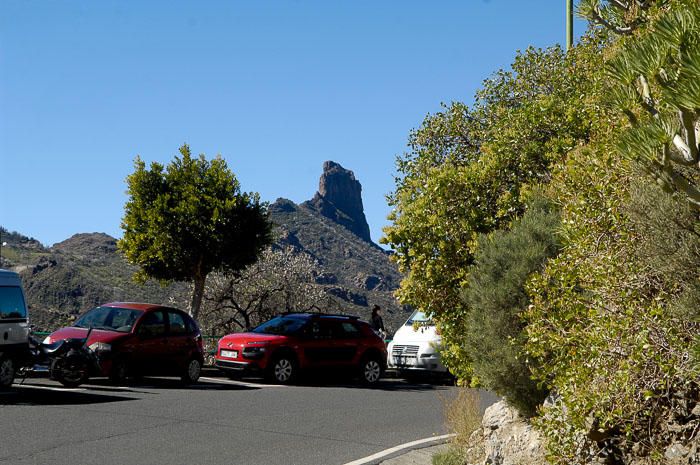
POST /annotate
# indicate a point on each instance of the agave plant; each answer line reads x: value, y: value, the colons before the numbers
x: 656, y: 77
x: 620, y: 16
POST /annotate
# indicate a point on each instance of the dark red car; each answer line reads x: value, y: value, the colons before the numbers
x: 283, y: 346
x: 137, y: 339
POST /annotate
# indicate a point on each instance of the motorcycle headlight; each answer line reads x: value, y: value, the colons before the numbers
x: 100, y: 347
x: 47, y: 340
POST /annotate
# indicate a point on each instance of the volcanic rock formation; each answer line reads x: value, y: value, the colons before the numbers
x: 339, y: 198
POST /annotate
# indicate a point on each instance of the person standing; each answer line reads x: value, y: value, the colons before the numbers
x: 376, y: 321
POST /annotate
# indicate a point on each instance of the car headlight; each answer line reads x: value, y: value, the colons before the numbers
x: 100, y: 347
x: 254, y: 352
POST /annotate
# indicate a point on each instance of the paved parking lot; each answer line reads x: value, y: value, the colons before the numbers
x: 218, y: 421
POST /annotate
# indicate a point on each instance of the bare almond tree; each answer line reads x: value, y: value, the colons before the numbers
x: 282, y: 280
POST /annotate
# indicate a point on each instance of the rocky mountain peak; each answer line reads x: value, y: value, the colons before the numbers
x: 339, y: 198
x: 88, y: 244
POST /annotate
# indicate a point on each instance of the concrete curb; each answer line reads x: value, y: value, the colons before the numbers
x: 401, y: 449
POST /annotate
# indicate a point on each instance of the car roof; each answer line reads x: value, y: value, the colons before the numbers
x: 308, y: 315
x: 9, y: 278
x: 139, y: 306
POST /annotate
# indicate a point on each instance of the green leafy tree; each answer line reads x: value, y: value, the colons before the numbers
x: 494, y: 333
x: 183, y: 221
x: 468, y: 170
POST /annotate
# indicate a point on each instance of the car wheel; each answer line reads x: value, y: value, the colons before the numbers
x: 370, y: 370
x: 282, y: 370
x: 7, y: 372
x: 192, y: 372
x: 119, y: 373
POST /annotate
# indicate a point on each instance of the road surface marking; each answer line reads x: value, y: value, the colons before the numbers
x: 48, y: 388
x: 409, y: 445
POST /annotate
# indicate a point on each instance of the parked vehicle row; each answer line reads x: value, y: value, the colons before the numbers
x: 123, y: 340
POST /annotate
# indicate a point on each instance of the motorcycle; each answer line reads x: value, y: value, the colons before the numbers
x: 69, y: 361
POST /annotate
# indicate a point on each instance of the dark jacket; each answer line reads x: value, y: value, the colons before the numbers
x: 376, y: 322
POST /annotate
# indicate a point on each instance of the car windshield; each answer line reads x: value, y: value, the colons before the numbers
x: 110, y: 318
x: 420, y: 318
x: 281, y: 325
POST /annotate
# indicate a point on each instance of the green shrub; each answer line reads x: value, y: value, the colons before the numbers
x: 605, y: 323
x: 496, y: 297
x: 450, y: 456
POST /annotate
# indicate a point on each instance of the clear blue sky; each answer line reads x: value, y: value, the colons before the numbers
x: 275, y: 87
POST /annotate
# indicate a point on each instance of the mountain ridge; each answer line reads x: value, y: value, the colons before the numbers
x: 86, y: 269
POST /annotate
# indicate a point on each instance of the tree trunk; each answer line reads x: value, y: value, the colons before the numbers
x: 197, y: 294
x: 246, y: 317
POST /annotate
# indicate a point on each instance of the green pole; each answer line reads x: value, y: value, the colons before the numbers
x: 569, y: 24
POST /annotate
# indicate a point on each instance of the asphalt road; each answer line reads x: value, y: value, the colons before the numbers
x: 218, y: 421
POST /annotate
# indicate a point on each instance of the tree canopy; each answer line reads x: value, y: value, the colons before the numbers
x: 183, y: 221
x: 468, y: 172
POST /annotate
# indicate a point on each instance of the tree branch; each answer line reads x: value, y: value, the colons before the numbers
x: 647, y: 101
x: 688, y: 121
x: 620, y: 5
x: 680, y: 183
x: 685, y: 152
x: 622, y: 30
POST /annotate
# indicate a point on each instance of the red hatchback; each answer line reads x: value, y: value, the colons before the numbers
x: 279, y: 348
x: 136, y: 339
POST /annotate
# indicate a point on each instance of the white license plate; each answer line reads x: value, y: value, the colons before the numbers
x: 229, y: 353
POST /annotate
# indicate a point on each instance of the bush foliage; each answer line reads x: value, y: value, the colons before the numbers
x: 468, y: 172
x: 494, y: 331
x: 604, y: 313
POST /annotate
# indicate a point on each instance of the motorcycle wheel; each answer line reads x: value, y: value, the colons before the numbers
x: 70, y: 371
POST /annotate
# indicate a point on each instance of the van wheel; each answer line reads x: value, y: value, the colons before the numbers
x: 283, y: 369
x: 7, y: 372
x: 192, y: 372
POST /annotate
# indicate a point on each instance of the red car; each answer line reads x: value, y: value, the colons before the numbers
x: 137, y: 339
x: 283, y: 346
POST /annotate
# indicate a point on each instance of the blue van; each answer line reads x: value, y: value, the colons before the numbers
x: 14, y: 327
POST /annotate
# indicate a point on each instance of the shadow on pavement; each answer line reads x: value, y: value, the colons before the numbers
x: 165, y: 383
x: 340, y: 380
x: 394, y: 385
x: 31, y: 395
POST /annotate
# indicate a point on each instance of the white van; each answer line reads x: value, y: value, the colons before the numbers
x: 14, y: 327
x: 415, y: 348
